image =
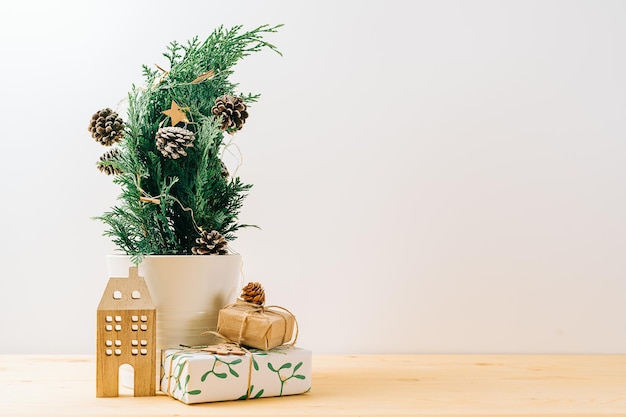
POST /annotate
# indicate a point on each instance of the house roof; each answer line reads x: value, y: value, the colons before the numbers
x: 126, y: 293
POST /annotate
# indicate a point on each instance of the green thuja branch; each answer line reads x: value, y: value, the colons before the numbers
x: 284, y: 379
x: 180, y: 196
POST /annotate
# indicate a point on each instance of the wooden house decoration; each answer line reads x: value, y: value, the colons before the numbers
x: 126, y: 334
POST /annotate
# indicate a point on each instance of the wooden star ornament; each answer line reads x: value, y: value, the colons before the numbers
x: 177, y: 113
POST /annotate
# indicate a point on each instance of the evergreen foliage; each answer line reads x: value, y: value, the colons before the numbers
x: 192, y: 193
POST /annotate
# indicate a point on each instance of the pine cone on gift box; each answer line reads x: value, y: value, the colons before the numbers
x: 232, y: 110
x: 106, y: 127
x: 210, y: 243
x: 253, y: 293
x: 172, y: 141
x: 109, y: 156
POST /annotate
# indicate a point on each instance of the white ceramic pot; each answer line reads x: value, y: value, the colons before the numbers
x: 188, y: 292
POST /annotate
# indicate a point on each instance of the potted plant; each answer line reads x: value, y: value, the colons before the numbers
x: 179, y: 204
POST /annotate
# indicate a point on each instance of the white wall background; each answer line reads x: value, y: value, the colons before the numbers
x: 430, y: 176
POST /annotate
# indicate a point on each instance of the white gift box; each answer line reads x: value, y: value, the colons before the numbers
x: 194, y: 376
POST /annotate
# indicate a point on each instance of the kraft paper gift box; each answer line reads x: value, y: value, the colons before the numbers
x: 194, y: 376
x: 256, y: 326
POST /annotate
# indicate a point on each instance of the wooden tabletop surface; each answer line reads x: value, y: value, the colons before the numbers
x: 349, y: 385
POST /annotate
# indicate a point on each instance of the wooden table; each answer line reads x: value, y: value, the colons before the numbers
x: 359, y: 385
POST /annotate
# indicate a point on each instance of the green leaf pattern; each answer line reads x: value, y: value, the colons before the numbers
x: 284, y: 378
x: 180, y: 388
x: 221, y: 375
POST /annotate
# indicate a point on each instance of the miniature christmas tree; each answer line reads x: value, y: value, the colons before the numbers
x: 176, y: 190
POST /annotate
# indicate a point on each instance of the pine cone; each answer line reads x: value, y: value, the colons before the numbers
x: 210, y: 243
x: 106, y: 127
x: 253, y: 293
x: 109, y: 156
x: 172, y: 141
x: 225, y: 173
x: 233, y: 112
